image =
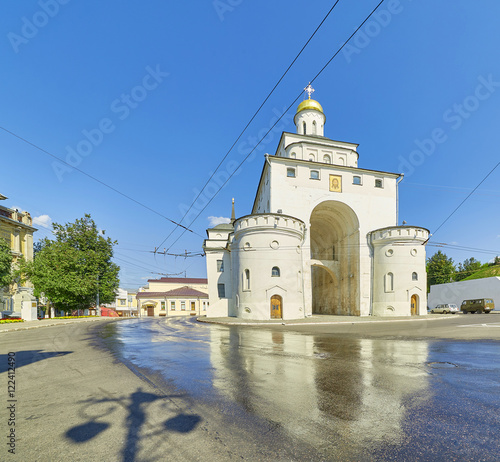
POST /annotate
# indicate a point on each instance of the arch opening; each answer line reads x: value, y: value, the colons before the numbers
x: 335, y: 248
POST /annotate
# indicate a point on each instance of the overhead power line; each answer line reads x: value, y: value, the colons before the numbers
x: 251, y: 120
x: 99, y: 181
x: 288, y: 108
x: 468, y: 195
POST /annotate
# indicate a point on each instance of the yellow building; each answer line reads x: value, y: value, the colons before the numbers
x: 173, y: 297
x: 17, y: 229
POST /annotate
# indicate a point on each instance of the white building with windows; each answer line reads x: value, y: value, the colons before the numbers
x: 323, y: 237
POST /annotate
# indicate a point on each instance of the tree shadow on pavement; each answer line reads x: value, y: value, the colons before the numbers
x: 137, y: 405
x: 24, y: 358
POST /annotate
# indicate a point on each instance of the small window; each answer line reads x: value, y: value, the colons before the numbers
x: 314, y: 127
x: 312, y: 158
x: 389, y: 282
x: 414, y: 276
x: 314, y: 175
x: 356, y: 180
x: 379, y: 184
x: 293, y: 155
x: 193, y: 306
x: 304, y: 128
x: 222, y: 290
x: 275, y: 272
x: 247, y: 279
x: 220, y: 266
x: 326, y: 159
x: 183, y: 305
x: 172, y: 306
x: 290, y: 172
x: 163, y: 306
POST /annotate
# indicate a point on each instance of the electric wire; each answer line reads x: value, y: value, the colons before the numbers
x: 99, y: 181
x: 251, y: 120
x: 289, y: 107
x: 468, y: 195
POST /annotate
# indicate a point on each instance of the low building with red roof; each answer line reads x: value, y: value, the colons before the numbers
x: 173, y: 297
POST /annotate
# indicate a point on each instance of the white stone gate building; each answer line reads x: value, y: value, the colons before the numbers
x: 322, y: 237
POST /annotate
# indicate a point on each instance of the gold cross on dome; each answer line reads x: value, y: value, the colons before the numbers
x: 309, y: 90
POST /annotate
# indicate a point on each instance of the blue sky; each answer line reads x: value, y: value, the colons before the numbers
x: 151, y: 95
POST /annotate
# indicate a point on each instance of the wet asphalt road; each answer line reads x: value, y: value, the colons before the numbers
x: 379, y: 392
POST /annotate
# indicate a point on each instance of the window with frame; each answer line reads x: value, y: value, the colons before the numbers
x: 275, y: 272
x: 183, y: 305
x: 356, y: 180
x: 290, y: 172
x: 193, y: 306
x: 221, y: 289
x: 414, y: 276
x: 314, y: 175
x: 163, y: 306
x: 172, y: 306
x: 220, y: 266
x: 379, y: 183
x: 122, y: 301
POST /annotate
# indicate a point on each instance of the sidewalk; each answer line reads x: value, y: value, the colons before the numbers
x: 11, y: 326
x: 323, y: 319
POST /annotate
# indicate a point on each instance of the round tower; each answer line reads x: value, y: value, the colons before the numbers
x: 267, y: 266
x: 310, y: 118
x: 399, y: 273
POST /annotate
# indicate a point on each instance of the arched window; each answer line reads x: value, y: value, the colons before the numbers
x: 326, y: 159
x: 334, y: 255
x: 247, y: 280
x: 389, y: 282
x: 414, y: 276
x: 311, y: 158
x: 275, y: 272
x: 293, y: 155
x: 314, y: 127
x: 304, y: 128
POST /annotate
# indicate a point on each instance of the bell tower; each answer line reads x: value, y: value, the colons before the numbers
x: 310, y: 119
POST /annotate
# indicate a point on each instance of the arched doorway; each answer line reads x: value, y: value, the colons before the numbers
x: 276, y: 307
x: 335, y: 259
x: 414, y: 304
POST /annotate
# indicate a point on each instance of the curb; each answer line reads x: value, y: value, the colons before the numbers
x: 320, y: 323
x: 52, y: 324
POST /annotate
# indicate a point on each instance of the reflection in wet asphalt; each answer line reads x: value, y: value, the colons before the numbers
x: 349, y: 398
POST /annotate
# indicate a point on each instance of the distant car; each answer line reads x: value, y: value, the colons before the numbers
x: 446, y: 308
x: 479, y: 305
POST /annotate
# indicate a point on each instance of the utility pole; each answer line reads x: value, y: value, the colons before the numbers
x: 97, y: 307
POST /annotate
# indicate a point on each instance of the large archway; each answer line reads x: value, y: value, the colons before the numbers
x: 335, y: 259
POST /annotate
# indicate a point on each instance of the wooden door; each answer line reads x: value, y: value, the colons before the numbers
x: 276, y: 307
x: 151, y: 311
x: 414, y: 305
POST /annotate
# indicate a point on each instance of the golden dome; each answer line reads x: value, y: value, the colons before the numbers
x: 309, y: 104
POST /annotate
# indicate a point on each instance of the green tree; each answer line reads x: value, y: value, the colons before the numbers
x: 74, y: 267
x: 468, y: 267
x: 440, y: 269
x: 5, y: 264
